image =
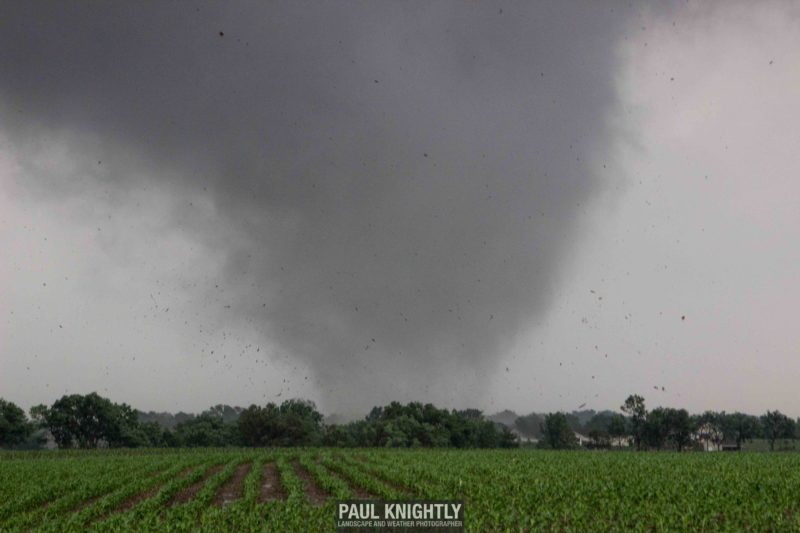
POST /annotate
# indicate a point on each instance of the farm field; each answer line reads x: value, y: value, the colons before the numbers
x: 295, y: 489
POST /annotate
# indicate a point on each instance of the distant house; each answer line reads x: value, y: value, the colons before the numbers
x: 583, y: 440
x: 604, y: 440
x: 709, y: 436
x: 623, y: 441
x: 523, y: 439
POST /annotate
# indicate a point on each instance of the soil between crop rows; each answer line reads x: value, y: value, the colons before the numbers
x: 233, y: 489
x: 359, y: 492
x: 271, y: 488
x: 131, y: 502
x: 315, y: 494
x: 191, y: 491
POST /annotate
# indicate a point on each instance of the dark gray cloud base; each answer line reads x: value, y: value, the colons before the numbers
x: 404, y: 179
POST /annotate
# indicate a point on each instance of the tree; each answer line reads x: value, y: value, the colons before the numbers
x: 556, y: 433
x: 258, y: 426
x: 83, y: 421
x: 127, y: 432
x: 226, y: 412
x: 617, y: 428
x: 600, y: 438
x: 599, y: 422
x: 90, y: 421
x: 507, y: 439
x: 339, y: 436
x: 680, y: 427
x: 667, y: 425
x: 14, y: 425
x: 777, y: 425
x: 300, y: 424
x: 574, y: 422
x: 739, y: 427
x: 418, y: 425
x: 206, y: 430
x: 469, y: 414
x: 656, y: 428
x: 293, y: 423
x: 635, y: 409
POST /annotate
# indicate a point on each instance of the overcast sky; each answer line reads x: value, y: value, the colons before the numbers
x: 536, y: 206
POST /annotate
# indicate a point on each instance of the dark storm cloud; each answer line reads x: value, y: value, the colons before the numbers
x: 404, y: 179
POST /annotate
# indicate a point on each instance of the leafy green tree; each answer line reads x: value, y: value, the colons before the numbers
x: 574, y: 422
x: 599, y: 438
x: 507, y: 439
x: 154, y: 435
x: 88, y: 421
x: 14, y: 426
x: 680, y: 428
x: 635, y: 409
x: 556, y: 433
x: 656, y: 428
x: 617, y: 428
x: 258, y: 426
x: 777, y: 425
x: 667, y: 425
x: 293, y: 423
x: 599, y: 422
x: 363, y: 433
x: 469, y: 414
x: 226, y: 412
x: 460, y: 428
x: 486, y: 434
x: 300, y: 424
x: 739, y: 427
x: 418, y: 425
x: 339, y: 436
x: 206, y: 430
x: 402, y: 432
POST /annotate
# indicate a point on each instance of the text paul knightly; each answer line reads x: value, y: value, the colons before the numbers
x: 426, y: 514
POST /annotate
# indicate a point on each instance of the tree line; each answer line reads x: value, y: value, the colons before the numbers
x: 92, y: 421
x: 663, y: 428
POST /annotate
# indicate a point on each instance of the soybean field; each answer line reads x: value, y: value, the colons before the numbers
x: 296, y: 489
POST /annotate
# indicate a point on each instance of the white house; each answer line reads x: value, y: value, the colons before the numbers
x: 583, y: 440
x: 709, y: 436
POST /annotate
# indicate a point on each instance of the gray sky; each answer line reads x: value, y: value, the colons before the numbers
x: 499, y: 205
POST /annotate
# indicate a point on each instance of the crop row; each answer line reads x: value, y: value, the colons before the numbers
x: 296, y: 490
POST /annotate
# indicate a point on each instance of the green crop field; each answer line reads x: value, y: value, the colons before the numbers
x: 295, y: 489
